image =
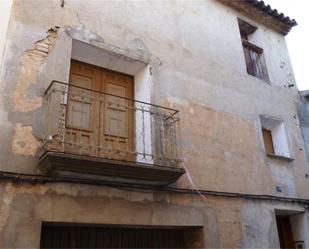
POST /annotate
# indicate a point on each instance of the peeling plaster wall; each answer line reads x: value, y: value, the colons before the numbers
x: 198, y: 67
x: 24, y: 142
x: 22, y: 92
x: 24, y: 207
x: 32, y: 62
x: 197, y: 64
x: 227, y: 223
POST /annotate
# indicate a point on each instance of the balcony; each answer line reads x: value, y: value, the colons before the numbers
x: 95, y: 135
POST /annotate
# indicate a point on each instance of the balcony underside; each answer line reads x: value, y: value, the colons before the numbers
x: 68, y: 165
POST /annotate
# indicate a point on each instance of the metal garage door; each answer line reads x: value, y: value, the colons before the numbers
x: 68, y: 236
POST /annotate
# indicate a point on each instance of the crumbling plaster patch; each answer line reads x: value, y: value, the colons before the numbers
x: 4, y: 208
x: 32, y: 62
x: 258, y: 229
x: 84, y: 34
x: 24, y: 142
x: 7, y: 195
x: 228, y: 215
x: 78, y: 194
x: 136, y: 49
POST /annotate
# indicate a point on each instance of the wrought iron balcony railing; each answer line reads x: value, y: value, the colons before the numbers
x: 84, y: 122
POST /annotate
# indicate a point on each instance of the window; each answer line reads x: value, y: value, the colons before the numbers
x: 268, y: 141
x: 255, y: 63
x: 274, y: 137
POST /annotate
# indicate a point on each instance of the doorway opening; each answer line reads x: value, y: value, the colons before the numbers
x: 285, y: 231
x: 292, y: 228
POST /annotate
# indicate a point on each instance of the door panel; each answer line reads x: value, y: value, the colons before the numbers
x: 102, y: 123
x: 117, y: 133
x: 81, y: 135
x: 285, y: 232
x: 116, y: 114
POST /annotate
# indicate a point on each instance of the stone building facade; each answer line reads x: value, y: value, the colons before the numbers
x: 188, y: 126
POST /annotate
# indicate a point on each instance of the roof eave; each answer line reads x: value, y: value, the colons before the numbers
x: 262, y: 13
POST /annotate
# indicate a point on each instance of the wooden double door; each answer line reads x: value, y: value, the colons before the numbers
x: 99, y: 113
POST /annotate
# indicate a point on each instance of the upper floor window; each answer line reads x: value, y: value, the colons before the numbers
x: 275, y: 137
x: 254, y: 57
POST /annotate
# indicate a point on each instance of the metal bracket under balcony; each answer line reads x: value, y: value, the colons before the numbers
x: 97, y: 135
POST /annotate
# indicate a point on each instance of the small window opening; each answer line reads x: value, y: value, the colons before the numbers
x: 274, y: 137
x: 268, y: 141
x: 255, y: 62
x: 245, y: 29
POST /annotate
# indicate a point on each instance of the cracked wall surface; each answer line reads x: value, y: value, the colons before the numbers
x: 26, y: 206
x: 227, y: 223
x: 22, y: 99
x: 24, y: 142
x: 31, y: 63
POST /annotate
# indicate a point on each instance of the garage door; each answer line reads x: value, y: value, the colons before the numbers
x: 77, y: 236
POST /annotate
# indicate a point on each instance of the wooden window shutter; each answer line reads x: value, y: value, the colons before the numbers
x: 268, y: 141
